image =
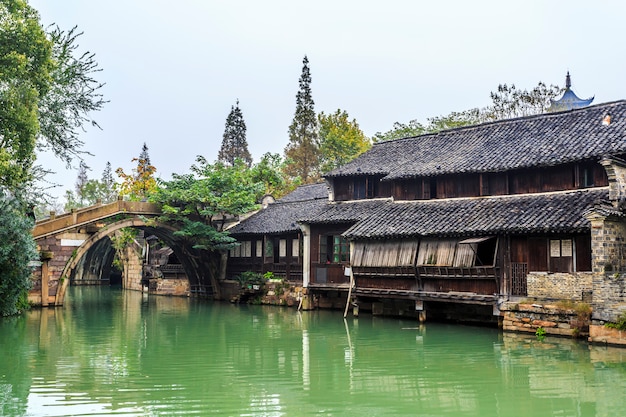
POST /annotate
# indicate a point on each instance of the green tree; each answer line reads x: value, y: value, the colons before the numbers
x: 109, y: 194
x: 234, y: 144
x: 270, y: 171
x: 341, y: 139
x: 81, y: 181
x: 455, y: 120
x: 16, y: 252
x: 200, y: 204
x: 506, y: 102
x: 509, y: 101
x: 302, y: 152
x: 73, y: 95
x: 25, y: 67
x: 401, y: 130
x: 140, y: 183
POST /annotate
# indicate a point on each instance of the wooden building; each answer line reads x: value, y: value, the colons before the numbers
x: 271, y: 239
x: 473, y: 215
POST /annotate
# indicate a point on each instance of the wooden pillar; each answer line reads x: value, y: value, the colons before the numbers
x: 45, y: 279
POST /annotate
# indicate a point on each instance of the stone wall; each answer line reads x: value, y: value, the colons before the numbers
x: 555, y: 319
x: 608, y: 245
x: 609, y: 296
x: 173, y: 286
x: 561, y: 286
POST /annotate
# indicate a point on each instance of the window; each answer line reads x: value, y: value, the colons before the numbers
x: 334, y: 249
x: 269, y: 249
x: 295, y: 248
x: 365, y: 187
x: 246, y: 249
x: 259, y: 248
x: 282, y: 248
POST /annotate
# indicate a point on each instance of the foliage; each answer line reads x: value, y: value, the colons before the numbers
x: 73, y: 95
x: 249, y: 278
x: 140, y: 183
x: 16, y: 252
x: 302, y: 152
x: 90, y: 191
x: 620, y: 324
x: 455, y: 120
x: 540, y: 333
x: 25, y: 67
x: 107, y: 185
x: 200, y: 203
x: 270, y: 172
x: 400, y: 130
x: 507, y: 102
x: 122, y: 239
x: 234, y: 144
x: 341, y: 140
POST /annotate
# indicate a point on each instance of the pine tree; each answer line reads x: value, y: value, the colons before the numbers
x: 234, y: 144
x: 141, y: 182
x: 109, y: 194
x: 302, y: 152
x: 81, y: 180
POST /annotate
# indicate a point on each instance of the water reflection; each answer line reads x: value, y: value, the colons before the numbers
x: 119, y: 353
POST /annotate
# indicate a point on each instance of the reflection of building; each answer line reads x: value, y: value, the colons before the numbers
x: 466, y: 217
x: 569, y: 100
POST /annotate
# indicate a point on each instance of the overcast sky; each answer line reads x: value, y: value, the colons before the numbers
x: 174, y: 69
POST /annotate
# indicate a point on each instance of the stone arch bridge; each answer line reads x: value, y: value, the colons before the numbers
x: 77, y: 247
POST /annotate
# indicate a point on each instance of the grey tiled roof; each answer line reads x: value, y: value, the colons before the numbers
x: 306, y: 192
x: 528, y: 213
x: 541, y: 140
x: 282, y: 216
x: 345, y: 211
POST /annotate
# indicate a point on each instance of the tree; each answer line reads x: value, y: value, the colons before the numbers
x: 199, y: 205
x: 455, y: 120
x: 16, y: 252
x: 108, y: 185
x: 25, y: 67
x: 341, y: 139
x: 73, y: 95
x: 234, y: 144
x: 509, y: 102
x: 400, y: 130
x: 270, y: 172
x: 302, y: 151
x: 139, y: 184
x: 81, y: 181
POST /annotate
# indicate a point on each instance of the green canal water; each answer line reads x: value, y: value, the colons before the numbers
x: 113, y: 352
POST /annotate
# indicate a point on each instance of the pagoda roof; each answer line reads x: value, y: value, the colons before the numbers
x: 569, y: 100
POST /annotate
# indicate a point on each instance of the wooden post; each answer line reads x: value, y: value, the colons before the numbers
x: 44, y: 283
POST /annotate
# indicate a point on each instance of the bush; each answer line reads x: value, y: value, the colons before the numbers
x: 620, y: 324
x: 17, y: 250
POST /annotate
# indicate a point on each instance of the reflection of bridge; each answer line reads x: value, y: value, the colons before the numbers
x: 78, y: 246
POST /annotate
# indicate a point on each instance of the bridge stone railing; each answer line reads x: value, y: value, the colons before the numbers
x: 80, y: 217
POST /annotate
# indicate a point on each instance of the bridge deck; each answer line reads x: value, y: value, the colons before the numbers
x: 80, y: 217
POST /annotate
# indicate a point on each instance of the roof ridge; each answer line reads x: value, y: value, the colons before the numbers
x: 544, y: 193
x: 505, y: 121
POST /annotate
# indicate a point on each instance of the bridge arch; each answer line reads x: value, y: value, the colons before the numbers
x: 80, y: 242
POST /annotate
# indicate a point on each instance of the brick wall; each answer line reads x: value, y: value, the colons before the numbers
x: 561, y: 286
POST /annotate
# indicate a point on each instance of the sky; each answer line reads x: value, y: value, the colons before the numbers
x: 173, y: 70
